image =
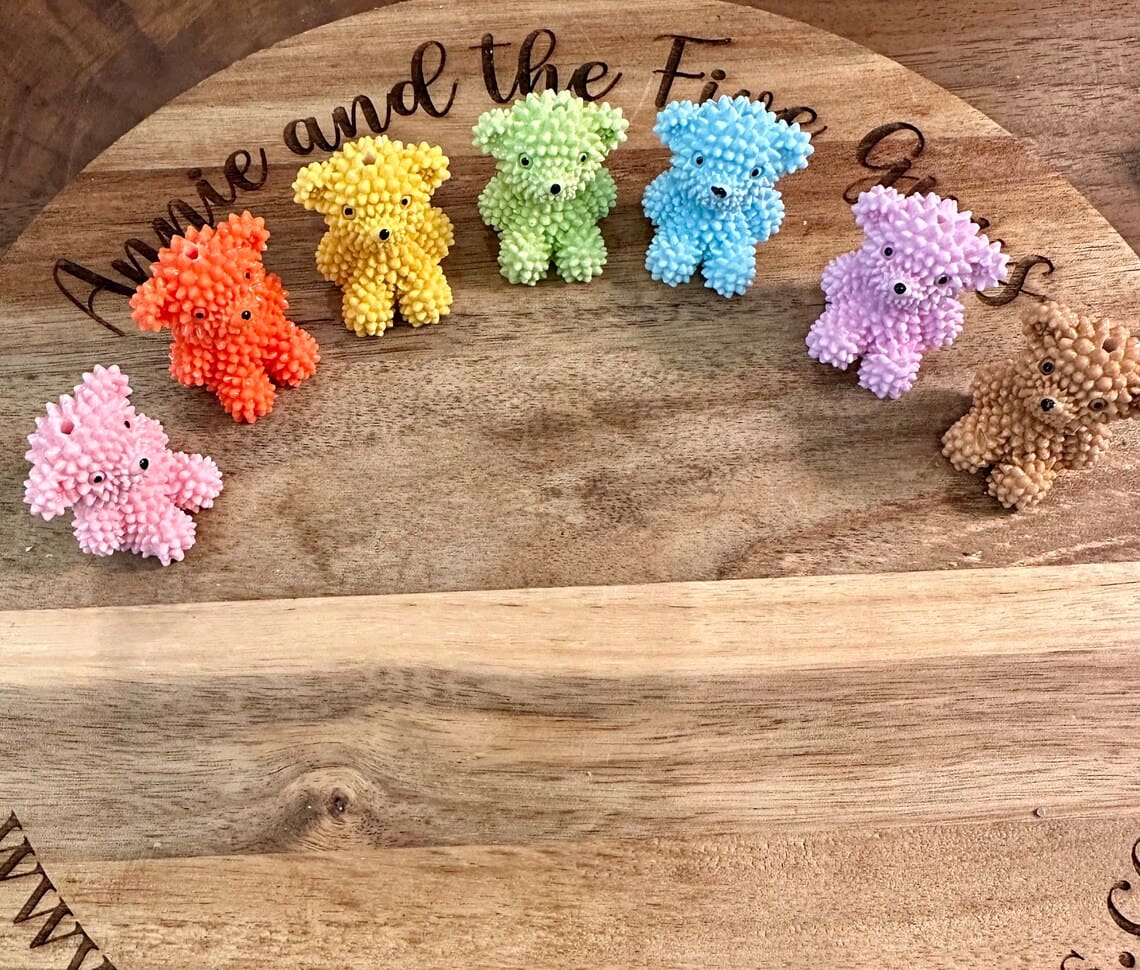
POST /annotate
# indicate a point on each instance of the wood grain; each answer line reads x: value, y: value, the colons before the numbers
x: 618, y: 432
x: 892, y: 769
x: 723, y: 774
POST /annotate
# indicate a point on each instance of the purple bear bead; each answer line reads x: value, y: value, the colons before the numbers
x: 896, y: 297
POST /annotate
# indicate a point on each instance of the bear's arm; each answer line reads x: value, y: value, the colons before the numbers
x: 1084, y: 446
x: 436, y: 233
x: 100, y: 529
x: 765, y: 215
x: 494, y: 207
x: 656, y: 196
x: 599, y: 196
x: 194, y: 481
x: 839, y: 276
x: 332, y: 263
x: 942, y: 324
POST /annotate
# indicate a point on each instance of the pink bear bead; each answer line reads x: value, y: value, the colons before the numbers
x: 93, y: 453
x: 896, y: 297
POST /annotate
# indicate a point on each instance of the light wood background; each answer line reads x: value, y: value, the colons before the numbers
x: 887, y: 770
x: 879, y: 772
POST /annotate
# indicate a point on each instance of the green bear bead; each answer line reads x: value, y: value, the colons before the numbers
x: 551, y: 187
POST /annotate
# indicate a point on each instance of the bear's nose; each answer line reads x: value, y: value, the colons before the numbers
x: 719, y: 191
x: 384, y: 234
x: 1047, y: 404
x: 900, y: 288
x: 555, y: 189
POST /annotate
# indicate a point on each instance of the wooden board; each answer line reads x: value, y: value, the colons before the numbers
x: 801, y: 772
x: 616, y: 432
x: 793, y: 766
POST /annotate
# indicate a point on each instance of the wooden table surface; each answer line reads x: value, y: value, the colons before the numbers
x: 889, y: 768
x: 1061, y: 76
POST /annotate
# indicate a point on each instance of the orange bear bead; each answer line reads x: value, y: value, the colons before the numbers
x: 227, y: 317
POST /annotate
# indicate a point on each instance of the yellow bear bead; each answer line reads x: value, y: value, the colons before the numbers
x: 385, y: 240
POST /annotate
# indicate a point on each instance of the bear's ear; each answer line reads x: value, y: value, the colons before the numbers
x: 988, y: 265
x: 310, y: 187
x: 429, y: 162
x: 52, y: 451
x: 609, y: 124
x: 673, y: 121
x: 241, y: 232
x: 873, y: 208
x: 793, y: 147
x: 491, y: 131
x: 149, y: 305
x: 1047, y: 319
x: 103, y: 384
x: 43, y: 490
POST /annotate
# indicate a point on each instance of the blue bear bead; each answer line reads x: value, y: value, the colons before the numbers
x: 718, y: 199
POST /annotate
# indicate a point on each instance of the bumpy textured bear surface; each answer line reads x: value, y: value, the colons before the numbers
x: 93, y: 453
x: 227, y: 317
x: 1049, y: 408
x: 385, y: 240
x: 718, y: 199
x: 896, y: 297
x: 550, y: 187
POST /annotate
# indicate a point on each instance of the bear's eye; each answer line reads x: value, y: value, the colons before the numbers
x: 406, y: 200
x: 144, y: 463
x: 1047, y: 366
x: 96, y: 479
x: 349, y: 212
x: 583, y: 157
x: 245, y: 314
x: 524, y: 161
x: 127, y: 423
x: 943, y: 280
x: 755, y: 173
x: 699, y: 160
x: 199, y: 314
x: 888, y: 251
x: 248, y: 275
x: 1098, y: 404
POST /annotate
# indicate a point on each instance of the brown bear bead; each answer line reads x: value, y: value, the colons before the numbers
x: 1049, y: 408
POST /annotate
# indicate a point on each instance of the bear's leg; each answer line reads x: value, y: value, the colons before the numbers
x: 368, y: 306
x: 244, y: 390
x: 291, y: 354
x: 832, y: 340
x: 523, y: 257
x: 166, y: 535
x: 975, y: 440
x: 672, y: 257
x: 1021, y: 486
x: 730, y: 269
x: 195, y: 481
x: 100, y: 529
x: 580, y: 254
x: 889, y: 372
x: 186, y: 364
x: 427, y: 296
